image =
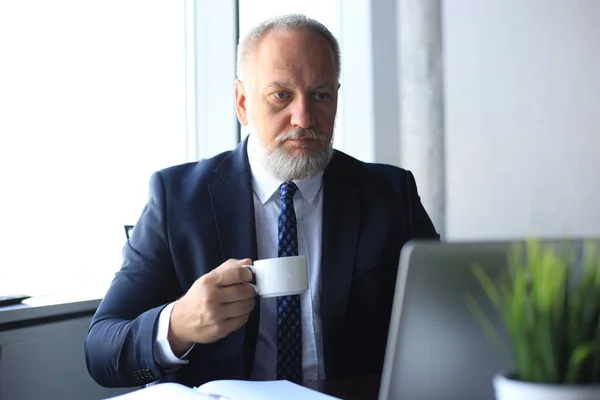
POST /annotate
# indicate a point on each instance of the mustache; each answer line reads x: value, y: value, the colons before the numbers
x: 299, y: 133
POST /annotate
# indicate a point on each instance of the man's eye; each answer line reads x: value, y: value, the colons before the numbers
x: 320, y: 96
x: 280, y: 95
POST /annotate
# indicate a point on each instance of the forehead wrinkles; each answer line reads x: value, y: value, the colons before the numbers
x: 303, y: 56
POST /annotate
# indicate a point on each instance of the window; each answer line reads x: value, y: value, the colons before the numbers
x: 93, y: 101
x: 95, y: 97
x: 252, y: 12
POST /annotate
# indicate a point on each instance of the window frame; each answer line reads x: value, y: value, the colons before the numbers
x: 211, y: 35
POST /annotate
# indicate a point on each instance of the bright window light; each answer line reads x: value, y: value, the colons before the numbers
x: 91, y: 103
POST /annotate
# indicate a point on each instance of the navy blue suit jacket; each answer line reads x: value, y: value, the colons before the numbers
x: 201, y: 214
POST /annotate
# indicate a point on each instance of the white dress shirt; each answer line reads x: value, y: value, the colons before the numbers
x: 308, y: 205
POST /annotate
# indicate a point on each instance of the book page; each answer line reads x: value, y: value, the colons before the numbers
x: 162, y: 391
x: 260, y: 390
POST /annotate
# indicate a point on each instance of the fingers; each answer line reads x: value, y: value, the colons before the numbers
x: 233, y: 324
x: 229, y: 318
x: 237, y: 309
x: 218, y: 303
x: 232, y: 272
x: 234, y: 293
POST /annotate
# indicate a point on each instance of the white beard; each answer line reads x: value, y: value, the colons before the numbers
x: 282, y: 165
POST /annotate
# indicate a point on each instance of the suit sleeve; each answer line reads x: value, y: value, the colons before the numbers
x: 119, y: 344
x: 421, y: 226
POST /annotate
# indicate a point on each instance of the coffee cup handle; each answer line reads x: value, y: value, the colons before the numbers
x: 251, y: 267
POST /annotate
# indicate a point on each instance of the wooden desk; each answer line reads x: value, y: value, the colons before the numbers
x: 349, y: 388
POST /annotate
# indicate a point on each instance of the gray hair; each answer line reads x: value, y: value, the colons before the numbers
x: 287, y: 22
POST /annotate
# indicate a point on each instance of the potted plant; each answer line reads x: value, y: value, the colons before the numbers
x: 550, y: 309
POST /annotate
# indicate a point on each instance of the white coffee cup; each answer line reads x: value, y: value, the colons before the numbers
x: 282, y: 276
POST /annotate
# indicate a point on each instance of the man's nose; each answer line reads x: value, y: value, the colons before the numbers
x: 302, y: 115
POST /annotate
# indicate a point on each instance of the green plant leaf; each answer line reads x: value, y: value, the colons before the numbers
x: 484, y: 322
x: 550, y: 310
x: 580, y: 354
x: 486, y: 283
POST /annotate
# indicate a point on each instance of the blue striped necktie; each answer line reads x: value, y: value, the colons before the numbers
x: 289, y: 317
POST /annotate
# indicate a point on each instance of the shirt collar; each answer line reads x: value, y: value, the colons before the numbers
x: 266, y: 185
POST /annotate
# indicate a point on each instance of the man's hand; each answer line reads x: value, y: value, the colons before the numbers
x: 217, y: 304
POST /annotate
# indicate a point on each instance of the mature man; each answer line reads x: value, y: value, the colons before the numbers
x: 180, y: 309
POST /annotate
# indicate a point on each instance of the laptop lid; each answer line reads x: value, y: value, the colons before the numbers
x: 436, y: 349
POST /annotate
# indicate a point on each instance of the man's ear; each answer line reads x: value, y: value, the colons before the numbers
x: 240, y: 102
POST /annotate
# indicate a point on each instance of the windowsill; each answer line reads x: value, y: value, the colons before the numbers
x: 47, y: 309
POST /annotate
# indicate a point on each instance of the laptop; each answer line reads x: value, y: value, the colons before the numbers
x: 436, y: 349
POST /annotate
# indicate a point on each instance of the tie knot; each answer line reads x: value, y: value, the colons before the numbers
x: 287, y: 190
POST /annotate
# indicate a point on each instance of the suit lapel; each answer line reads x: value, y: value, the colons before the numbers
x: 341, y: 223
x: 233, y: 206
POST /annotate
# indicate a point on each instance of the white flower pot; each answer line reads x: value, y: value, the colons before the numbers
x: 509, y: 389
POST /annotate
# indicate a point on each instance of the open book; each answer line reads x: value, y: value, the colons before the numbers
x: 227, y: 390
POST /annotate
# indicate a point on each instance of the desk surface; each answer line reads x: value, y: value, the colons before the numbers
x: 47, y: 308
x: 349, y: 388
